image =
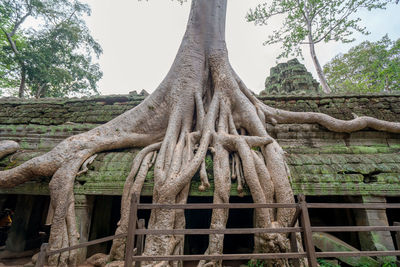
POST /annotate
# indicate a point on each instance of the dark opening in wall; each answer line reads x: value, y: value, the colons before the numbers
x: 28, y: 218
x: 393, y: 215
x: 38, y: 232
x: 334, y: 217
x: 106, y: 214
x: 201, y: 219
x: 239, y: 218
x: 145, y: 214
x: 197, y: 219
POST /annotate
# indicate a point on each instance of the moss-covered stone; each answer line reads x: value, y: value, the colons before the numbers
x: 328, y: 243
x: 321, y: 162
x: 290, y: 77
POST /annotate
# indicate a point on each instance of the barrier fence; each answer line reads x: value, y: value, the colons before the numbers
x: 137, y: 228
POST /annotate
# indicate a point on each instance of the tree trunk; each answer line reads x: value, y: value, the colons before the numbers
x: 41, y: 92
x: 21, y: 90
x: 16, y: 54
x: 200, y: 107
x: 321, y: 75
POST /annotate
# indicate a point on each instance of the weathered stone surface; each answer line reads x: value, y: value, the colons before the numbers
x: 380, y: 240
x: 326, y: 242
x: 321, y: 162
x: 57, y: 111
x: 83, y: 212
x: 290, y: 77
x: 339, y: 106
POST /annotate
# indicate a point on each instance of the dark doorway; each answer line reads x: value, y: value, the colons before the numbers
x: 106, y: 214
x: 239, y: 218
x: 27, y: 229
x: 197, y: 219
x: 201, y: 219
x: 334, y: 217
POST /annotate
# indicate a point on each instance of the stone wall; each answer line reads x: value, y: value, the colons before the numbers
x: 321, y: 162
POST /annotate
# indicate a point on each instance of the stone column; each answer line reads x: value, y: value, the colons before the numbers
x: 83, y: 212
x: 381, y: 240
x: 17, y: 236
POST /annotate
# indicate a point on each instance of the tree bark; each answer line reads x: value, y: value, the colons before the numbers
x: 41, y: 92
x: 320, y: 73
x: 21, y: 90
x: 200, y: 106
x: 8, y: 147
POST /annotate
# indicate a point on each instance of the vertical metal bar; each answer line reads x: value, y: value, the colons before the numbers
x: 293, y: 240
x: 305, y: 223
x: 397, y: 235
x: 42, y: 255
x: 139, y: 242
x: 130, y: 240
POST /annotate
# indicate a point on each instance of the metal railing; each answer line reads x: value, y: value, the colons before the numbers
x: 136, y: 228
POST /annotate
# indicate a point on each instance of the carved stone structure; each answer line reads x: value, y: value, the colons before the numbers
x: 290, y: 77
x: 322, y: 163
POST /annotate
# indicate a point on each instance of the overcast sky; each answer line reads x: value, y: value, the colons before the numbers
x: 140, y: 40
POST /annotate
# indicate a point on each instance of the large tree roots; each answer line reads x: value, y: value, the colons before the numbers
x: 201, y: 107
x: 223, y: 119
x: 8, y: 147
x: 219, y: 115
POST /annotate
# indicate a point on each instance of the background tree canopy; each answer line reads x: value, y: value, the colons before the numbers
x: 367, y: 67
x: 51, y: 58
x: 308, y: 22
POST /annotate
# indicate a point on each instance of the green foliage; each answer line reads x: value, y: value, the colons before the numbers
x: 389, y: 264
x: 7, y: 63
x: 324, y: 263
x: 255, y: 263
x: 54, y: 54
x: 312, y: 21
x: 367, y: 67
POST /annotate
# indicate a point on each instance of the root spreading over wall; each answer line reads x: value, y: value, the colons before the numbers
x: 201, y: 106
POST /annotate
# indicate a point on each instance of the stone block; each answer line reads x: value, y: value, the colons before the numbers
x: 326, y: 242
x: 379, y: 240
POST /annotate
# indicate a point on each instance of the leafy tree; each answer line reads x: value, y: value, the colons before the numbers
x: 8, y: 65
x: 308, y: 22
x: 54, y: 58
x: 367, y: 67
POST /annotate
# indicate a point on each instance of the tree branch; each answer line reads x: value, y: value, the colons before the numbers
x: 317, y: 12
x: 302, y: 12
x: 336, y: 24
x: 10, y: 41
x: 18, y: 23
x: 39, y: 91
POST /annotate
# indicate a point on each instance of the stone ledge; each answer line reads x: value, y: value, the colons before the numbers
x: 100, y: 109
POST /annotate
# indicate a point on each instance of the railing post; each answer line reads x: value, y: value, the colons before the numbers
x: 130, y: 240
x: 139, y: 242
x: 293, y: 239
x: 305, y: 223
x: 42, y: 255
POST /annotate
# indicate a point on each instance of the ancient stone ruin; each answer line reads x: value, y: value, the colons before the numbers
x: 361, y: 167
x: 202, y: 110
x: 290, y: 77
